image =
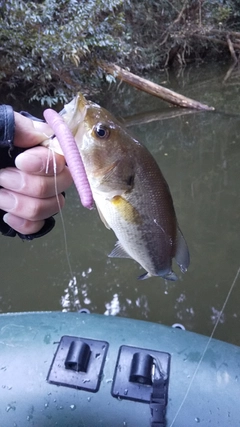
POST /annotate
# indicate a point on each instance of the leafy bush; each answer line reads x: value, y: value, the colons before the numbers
x: 51, y: 46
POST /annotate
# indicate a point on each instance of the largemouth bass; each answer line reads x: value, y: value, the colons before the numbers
x: 131, y: 195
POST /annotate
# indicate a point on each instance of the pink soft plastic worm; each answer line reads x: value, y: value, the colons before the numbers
x: 72, y: 156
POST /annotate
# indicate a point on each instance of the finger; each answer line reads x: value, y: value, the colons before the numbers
x: 21, y: 225
x: 29, y: 208
x: 40, y: 161
x: 29, y: 132
x: 36, y: 186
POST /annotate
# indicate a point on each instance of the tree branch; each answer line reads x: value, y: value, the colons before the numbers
x: 232, y: 51
x: 153, y: 88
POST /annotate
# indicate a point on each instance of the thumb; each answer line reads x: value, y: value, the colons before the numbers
x: 28, y: 132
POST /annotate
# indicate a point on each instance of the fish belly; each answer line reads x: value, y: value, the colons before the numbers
x: 137, y: 239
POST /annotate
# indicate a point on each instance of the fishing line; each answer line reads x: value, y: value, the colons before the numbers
x: 206, y: 347
x: 73, y: 280
x: 48, y: 162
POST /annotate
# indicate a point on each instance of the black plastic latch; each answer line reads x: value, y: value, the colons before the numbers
x: 78, y: 356
x: 78, y: 362
x: 141, y: 368
x: 136, y: 371
x: 158, y: 403
x: 143, y: 375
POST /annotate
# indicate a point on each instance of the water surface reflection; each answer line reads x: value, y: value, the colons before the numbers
x: 199, y: 155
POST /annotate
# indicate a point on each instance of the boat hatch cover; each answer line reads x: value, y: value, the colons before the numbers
x: 78, y: 362
x: 140, y: 374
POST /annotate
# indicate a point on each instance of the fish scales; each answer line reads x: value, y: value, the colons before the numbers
x: 150, y: 196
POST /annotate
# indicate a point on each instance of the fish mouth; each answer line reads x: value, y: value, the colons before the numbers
x: 75, y: 111
x: 80, y: 101
x: 73, y: 114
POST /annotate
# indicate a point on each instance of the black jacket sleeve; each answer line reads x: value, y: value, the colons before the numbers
x: 8, y: 153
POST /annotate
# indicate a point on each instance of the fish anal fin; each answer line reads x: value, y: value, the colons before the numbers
x: 144, y: 276
x: 119, y: 252
x: 168, y: 276
x: 182, y: 256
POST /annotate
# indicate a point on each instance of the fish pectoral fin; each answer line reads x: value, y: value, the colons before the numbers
x: 119, y: 252
x: 102, y: 217
x: 119, y: 176
x: 182, y: 256
x: 127, y: 211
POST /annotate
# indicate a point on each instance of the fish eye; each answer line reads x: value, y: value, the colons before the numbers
x: 101, y: 131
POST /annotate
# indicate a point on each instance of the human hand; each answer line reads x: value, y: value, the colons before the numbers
x: 29, y: 190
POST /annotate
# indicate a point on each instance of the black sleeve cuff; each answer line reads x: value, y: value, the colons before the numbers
x: 8, y: 153
x: 6, y: 230
x: 7, y: 126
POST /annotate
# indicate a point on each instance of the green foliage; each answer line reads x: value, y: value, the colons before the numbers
x: 225, y: 13
x: 51, y: 46
x: 165, y: 33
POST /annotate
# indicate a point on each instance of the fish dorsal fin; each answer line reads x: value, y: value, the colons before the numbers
x: 182, y: 254
x: 102, y: 217
x: 119, y: 252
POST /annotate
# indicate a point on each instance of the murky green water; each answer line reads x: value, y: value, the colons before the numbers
x: 199, y: 155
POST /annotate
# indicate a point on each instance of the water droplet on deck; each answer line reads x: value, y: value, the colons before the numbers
x: 125, y: 392
x: 72, y: 407
x: 10, y: 407
x: 46, y: 405
x: 197, y: 420
x: 89, y: 399
x: 47, y: 339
